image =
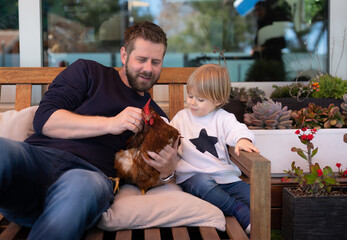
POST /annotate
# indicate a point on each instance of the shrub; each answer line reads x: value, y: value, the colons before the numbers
x: 329, y: 87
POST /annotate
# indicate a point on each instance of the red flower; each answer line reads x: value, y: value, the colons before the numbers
x: 338, y: 165
x: 345, y: 173
x: 310, y: 137
x: 320, y: 172
x: 304, y: 129
x: 304, y: 137
x: 297, y: 131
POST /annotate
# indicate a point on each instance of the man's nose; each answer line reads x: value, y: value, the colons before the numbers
x: 147, y: 67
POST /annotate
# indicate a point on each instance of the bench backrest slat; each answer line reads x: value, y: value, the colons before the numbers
x: 25, y: 77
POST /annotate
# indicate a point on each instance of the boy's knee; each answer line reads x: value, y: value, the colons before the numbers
x: 201, y: 183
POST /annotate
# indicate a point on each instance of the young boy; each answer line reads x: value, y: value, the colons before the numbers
x: 205, y: 169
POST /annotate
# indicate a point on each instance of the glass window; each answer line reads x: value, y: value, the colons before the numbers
x: 272, y: 40
x: 9, y: 34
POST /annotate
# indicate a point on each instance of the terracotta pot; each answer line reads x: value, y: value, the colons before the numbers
x: 308, y: 218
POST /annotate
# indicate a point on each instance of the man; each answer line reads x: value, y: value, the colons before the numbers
x: 57, y: 180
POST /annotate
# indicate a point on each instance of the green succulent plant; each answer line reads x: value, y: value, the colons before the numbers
x: 334, y: 117
x: 248, y: 96
x: 290, y: 91
x: 239, y: 93
x: 344, y: 107
x: 329, y: 87
x: 317, y: 117
x: 310, y: 117
x: 268, y: 115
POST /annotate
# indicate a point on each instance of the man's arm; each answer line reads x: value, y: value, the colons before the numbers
x: 68, y: 125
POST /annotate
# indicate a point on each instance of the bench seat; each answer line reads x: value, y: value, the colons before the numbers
x: 255, y: 168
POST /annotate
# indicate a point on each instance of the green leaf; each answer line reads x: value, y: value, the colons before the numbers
x: 329, y: 181
x: 311, y: 178
x: 294, y: 149
x: 327, y: 171
x: 314, y: 152
x: 321, y: 185
x: 314, y: 169
x: 293, y: 164
x: 301, y: 154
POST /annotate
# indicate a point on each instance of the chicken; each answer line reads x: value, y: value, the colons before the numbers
x: 156, y: 134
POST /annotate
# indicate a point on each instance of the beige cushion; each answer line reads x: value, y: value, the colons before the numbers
x: 164, y: 206
x: 17, y: 125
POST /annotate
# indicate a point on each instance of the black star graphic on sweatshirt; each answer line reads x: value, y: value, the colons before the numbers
x: 205, y: 143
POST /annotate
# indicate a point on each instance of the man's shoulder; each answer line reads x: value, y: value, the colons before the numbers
x: 81, y: 62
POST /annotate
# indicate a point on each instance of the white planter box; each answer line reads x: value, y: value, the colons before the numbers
x: 275, y: 145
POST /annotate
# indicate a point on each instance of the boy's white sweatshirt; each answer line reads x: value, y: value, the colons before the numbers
x: 204, y: 143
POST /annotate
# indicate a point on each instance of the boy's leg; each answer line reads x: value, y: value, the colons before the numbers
x: 203, y: 186
x: 74, y: 203
x: 239, y: 190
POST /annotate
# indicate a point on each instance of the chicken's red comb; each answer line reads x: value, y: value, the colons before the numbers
x: 146, y: 107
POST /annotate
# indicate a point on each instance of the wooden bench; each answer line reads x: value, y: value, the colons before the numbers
x: 255, y: 168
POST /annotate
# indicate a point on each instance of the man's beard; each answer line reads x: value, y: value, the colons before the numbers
x: 140, y: 86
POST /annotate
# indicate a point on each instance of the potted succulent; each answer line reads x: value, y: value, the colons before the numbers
x: 318, y: 117
x: 241, y: 101
x: 274, y: 132
x: 317, y: 207
x: 268, y: 115
x: 343, y: 107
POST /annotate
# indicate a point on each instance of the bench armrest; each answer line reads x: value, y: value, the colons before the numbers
x: 258, y: 170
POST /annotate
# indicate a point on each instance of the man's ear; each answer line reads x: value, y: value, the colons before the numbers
x: 123, y: 55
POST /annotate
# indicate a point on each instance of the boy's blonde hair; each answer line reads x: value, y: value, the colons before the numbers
x: 211, y: 81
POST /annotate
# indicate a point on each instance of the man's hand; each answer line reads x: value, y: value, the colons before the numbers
x: 246, y: 145
x: 165, y: 161
x: 129, y: 119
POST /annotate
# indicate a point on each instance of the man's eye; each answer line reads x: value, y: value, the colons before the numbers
x: 156, y: 63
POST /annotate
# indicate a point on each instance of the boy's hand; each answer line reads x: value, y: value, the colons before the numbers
x: 246, y: 145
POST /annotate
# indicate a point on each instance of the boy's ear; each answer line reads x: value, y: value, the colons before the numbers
x: 217, y: 103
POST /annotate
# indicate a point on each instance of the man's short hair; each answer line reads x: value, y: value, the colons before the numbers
x: 145, y: 30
